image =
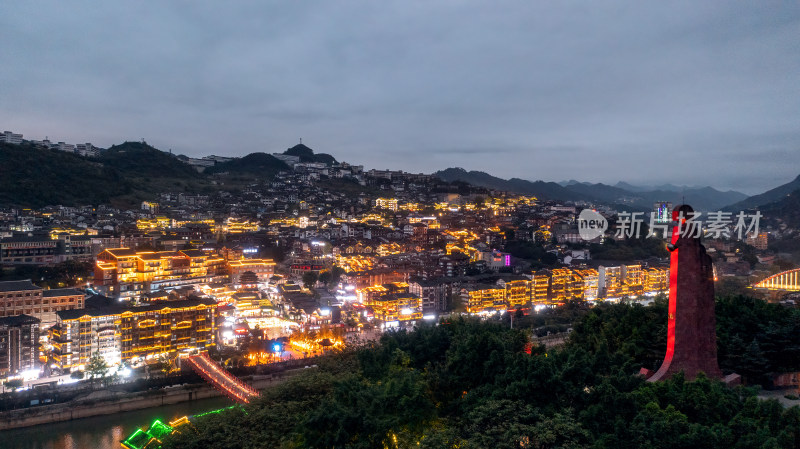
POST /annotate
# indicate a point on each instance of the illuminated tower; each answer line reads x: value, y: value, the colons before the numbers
x: 691, y: 323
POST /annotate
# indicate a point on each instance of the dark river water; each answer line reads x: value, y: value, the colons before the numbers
x: 101, y: 432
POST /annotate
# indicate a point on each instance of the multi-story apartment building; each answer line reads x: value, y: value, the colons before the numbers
x: 132, y: 334
x: 58, y: 299
x: 10, y: 137
x: 23, y: 297
x: 433, y: 294
x: 124, y: 272
x: 633, y: 279
x: 517, y: 291
x: 86, y: 149
x: 562, y: 285
x: 588, y: 278
x: 540, y: 284
x: 44, y: 249
x: 611, y: 282
x: 68, y: 147
x: 484, y: 298
x: 655, y: 279
x: 26, y: 250
x: 759, y: 242
x: 19, y: 344
x: 396, y: 307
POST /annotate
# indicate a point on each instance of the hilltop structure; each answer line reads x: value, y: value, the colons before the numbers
x: 691, y: 322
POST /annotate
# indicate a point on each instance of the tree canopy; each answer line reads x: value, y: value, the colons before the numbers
x: 472, y: 384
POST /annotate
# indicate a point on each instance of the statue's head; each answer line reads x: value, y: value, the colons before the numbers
x: 680, y: 215
x: 684, y: 211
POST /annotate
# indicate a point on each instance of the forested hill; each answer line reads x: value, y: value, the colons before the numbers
x: 141, y: 159
x: 33, y: 177
x: 306, y: 154
x: 123, y: 175
x: 254, y: 163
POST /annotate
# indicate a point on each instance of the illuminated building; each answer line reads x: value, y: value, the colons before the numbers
x: 517, y: 291
x: 540, y: 284
x: 19, y: 340
x: 132, y: 334
x: 588, y: 280
x: 386, y: 203
x: 633, y: 279
x: 236, y: 226
x: 485, y: 299
x: 159, y: 222
x: 367, y: 294
x: 396, y: 307
x: 248, y: 303
x: 124, y: 272
x: 611, y: 282
x: 262, y: 268
x: 655, y: 280
x: 663, y: 212
x: 78, y: 334
x: 355, y: 263
x: 561, y: 285
x: 22, y: 297
x: 362, y: 279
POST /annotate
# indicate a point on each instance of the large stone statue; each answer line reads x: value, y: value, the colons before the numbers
x: 691, y: 324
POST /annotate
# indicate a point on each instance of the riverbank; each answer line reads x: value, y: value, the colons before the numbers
x: 104, y: 402
x: 102, y: 432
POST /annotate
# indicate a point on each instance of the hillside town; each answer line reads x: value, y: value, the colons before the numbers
x: 317, y: 251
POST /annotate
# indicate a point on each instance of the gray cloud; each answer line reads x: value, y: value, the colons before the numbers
x: 683, y: 92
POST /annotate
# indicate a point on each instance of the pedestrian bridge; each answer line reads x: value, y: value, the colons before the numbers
x: 786, y: 281
x: 225, y: 382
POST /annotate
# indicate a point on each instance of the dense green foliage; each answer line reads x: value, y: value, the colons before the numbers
x: 140, y: 159
x: 59, y: 275
x: 33, y: 177
x: 124, y: 175
x: 630, y: 248
x: 471, y: 384
x: 534, y: 253
x: 754, y: 339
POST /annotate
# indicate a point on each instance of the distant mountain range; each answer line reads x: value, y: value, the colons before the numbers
x: 621, y: 194
x: 786, y: 209
x: 133, y: 171
x: 770, y: 196
x: 637, y: 188
x: 549, y: 190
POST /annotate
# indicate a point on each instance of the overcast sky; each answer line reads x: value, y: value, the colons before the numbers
x: 696, y: 92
